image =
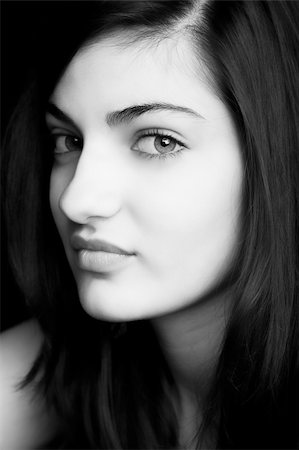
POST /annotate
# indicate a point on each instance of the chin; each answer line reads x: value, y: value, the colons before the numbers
x: 99, y: 312
x: 120, y: 307
x: 109, y: 308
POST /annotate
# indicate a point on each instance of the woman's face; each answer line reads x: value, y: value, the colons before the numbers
x: 147, y: 160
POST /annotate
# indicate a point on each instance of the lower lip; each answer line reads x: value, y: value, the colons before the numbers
x: 101, y: 262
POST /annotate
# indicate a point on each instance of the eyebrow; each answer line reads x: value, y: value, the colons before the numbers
x: 60, y: 115
x: 127, y: 115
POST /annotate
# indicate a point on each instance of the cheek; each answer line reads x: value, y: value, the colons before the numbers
x: 191, y: 218
x: 199, y: 196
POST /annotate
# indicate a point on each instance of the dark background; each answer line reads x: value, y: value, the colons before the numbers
x: 31, y: 33
x: 21, y: 25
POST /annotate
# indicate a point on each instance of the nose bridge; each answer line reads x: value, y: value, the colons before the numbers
x: 95, y: 188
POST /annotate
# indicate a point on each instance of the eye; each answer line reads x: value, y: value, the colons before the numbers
x: 157, y: 143
x: 66, y: 143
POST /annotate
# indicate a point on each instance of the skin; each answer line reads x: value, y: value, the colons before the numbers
x: 179, y: 215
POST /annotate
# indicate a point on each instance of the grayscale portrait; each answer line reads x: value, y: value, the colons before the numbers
x: 150, y: 179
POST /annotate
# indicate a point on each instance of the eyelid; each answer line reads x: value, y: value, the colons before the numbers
x: 161, y: 132
x: 64, y: 132
x: 56, y: 138
x: 54, y: 124
x: 58, y: 132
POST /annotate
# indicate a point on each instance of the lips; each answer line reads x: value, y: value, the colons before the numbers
x: 98, y: 256
x: 96, y: 245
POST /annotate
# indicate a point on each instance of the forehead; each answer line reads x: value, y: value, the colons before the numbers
x: 110, y: 73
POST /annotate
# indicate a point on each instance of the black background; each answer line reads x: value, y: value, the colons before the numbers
x: 30, y: 34
x: 21, y: 24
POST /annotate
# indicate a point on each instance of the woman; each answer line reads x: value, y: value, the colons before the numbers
x: 166, y: 287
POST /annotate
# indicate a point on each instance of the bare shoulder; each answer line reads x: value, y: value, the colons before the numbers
x: 24, y: 420
x: 19, y: 345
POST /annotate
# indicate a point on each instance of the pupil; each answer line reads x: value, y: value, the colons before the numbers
x: 73, y: 143
x: 164, y: 144
x: 165, y: 141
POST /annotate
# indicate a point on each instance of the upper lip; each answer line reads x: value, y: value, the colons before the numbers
x: 78, y: 243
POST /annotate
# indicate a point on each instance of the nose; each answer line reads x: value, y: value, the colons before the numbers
x: 94, y: 189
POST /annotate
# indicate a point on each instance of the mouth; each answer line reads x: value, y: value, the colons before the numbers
x: 99, y: 256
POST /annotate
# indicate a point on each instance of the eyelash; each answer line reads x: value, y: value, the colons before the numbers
x: 146, y: 133
x: 161, y: 156
x: 54, y: 139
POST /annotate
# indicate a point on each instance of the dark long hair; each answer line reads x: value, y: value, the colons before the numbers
x: 120, y: 393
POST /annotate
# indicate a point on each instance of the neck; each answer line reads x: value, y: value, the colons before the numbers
x: 190, y: 340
